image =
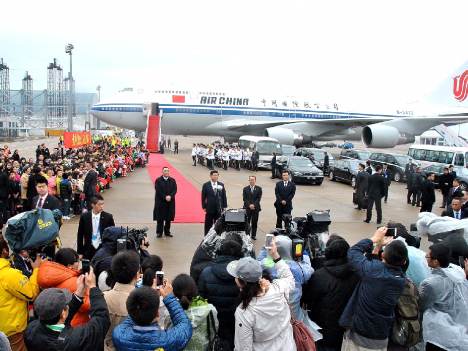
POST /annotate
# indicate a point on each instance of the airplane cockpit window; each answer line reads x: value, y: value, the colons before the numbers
x: 127, y: 89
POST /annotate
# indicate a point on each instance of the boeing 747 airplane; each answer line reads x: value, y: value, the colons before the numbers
x: 293, y: 121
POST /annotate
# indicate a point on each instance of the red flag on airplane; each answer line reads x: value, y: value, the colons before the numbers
x: 178, y: 98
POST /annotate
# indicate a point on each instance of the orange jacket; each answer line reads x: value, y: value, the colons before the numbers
x: 54, y: 275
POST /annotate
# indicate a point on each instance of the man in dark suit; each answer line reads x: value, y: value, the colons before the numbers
x: 164, y: 203
x: 31, y: 191
x: 452, y: 172
x: 455, y: 191
x: 416, y: 185
x: 428, y: 193
x: 4, y: 194
x: 408, y: 169
x: 445, y: 183
x: 297, y: 152
x: 387, y: 174
x: 214, y: 200
x: 284, y: 192
x: 255, y: 159
x: 326, y: 162
x: 273, y: 166
x: 368, y: 168
x: 252, y: 194
x: 375, y: 192
x: 45, y: 201
x: 92, y: 225
x: 456, y: 210
x: 89, y: 187
x: 361, y: 186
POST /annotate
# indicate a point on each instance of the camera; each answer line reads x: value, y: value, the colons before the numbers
x: 132, y: 239
x: 234, y: 220
x: 32, y: 253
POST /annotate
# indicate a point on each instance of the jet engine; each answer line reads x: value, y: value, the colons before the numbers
x: 287, y: 136
x: 381, y: 136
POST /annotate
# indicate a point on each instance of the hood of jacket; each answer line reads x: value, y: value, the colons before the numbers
x: 339, y: 268
x: 65, y: 181
x: 219, y: 267
x: 52, y: 274
x: 109, y: 238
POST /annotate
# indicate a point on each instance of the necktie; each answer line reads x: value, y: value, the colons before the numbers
x: 252, y: 189
x: 285, y: 184
x: 39, y: 204
x: 215, y: 188
x: 457, y: 216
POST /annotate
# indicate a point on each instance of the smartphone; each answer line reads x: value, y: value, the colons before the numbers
x: 461, y: 259
x: 268, y: 240
x: 84, y: 266
x: 159, y: 279
x: 121, y: 245
x: 391, y: 232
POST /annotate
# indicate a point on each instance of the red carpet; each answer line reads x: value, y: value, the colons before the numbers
x: 188, y: 198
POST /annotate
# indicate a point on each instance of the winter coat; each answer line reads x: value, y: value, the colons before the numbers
x: 128, y: 336
x: 16, y: 290
x: 301, y: 271
x: 265, y: 324
x: 198, y: 313
x: 89, y: 337
x: 370, y: 311
x: 163, y: 210
x: 24, y: 185
x: 327, y: 293
x: 55, y: 275
x: 66, y: 189
x: 116, y: 300
x: 220, y: 289
x: 4, y: 185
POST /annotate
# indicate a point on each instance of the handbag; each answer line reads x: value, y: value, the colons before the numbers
x: 217, y: 344
x: 302, y: 336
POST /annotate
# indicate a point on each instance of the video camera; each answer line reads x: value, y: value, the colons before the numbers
x: 304, y: 233
x: 234, y: 220
x: 132, y: 239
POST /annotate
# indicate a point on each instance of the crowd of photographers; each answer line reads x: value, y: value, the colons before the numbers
x: 379, y: 294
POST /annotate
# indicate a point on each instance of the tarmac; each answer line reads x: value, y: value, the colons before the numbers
x: 131, y: 202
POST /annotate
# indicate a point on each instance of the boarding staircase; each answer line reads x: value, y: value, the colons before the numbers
x: 450, y: 137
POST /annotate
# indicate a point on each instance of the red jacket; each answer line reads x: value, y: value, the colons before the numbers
x: 55, y: 275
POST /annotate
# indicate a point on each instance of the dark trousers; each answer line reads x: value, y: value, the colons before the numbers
x: 280, y: 211
x: 409, y: 194
x: 444, y: 199
x: 176, y: 149
x: 273, y: 172
x: 163, y: 224
x: 88, y: 202
x: 255, y: 166
x: 194, y: 159
x: 386, y: 192
x: 416, y: 196
x: 426, y: 207
x: 210, y: 218
x: 252, y: 217
x: 378, y: 208
x: 361, y: 196
x: 432, y: 347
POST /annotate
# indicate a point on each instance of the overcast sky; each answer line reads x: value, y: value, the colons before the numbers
x: 353, y: 50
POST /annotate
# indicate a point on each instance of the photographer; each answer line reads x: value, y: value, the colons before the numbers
x: 302, y: 271
x: 102, y: 259
x: 63, y: 273
x: 16, y: 290
x: 57, y: 307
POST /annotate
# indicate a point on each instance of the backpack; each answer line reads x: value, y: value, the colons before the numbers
x: 406, y: 329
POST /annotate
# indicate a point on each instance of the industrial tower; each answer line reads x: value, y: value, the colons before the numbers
x: 4, y: 89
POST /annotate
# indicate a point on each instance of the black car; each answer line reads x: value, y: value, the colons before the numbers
x: 329, y: 144
x: 396, y: 163
x: 301, y: 169
x: 345, y: 171
x: 438, y: 170
x: 354, y: 154
x: 318, y: 156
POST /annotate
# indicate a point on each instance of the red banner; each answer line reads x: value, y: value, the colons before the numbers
x: 76, y: 139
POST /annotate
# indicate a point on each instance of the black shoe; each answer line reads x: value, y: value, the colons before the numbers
x: 357, y: 208
x: 366, y: 221
x: 254, y: 238
x: 169, y: 235
x: 409, y: 202
x: 378, y: 222
x: 412, y: 205
x: 442, y: 207
x: 385, y: 201
x: 158, y: 235
x: 418, y: 206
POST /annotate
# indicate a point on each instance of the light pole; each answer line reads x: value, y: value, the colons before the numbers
x: 98, y: 123
x: 68, y: 50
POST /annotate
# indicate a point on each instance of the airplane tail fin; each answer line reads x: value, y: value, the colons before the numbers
x: 453, y: 90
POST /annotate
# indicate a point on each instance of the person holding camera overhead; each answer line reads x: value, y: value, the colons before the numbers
x: 284, y: 192
x: 91, y: 227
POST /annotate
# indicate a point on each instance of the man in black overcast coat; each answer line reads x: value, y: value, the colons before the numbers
x: 164, y: 203
x: 375, y: 191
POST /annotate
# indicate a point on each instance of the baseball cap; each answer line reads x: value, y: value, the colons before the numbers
x: 51, y: 302
x: 246, y: 268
